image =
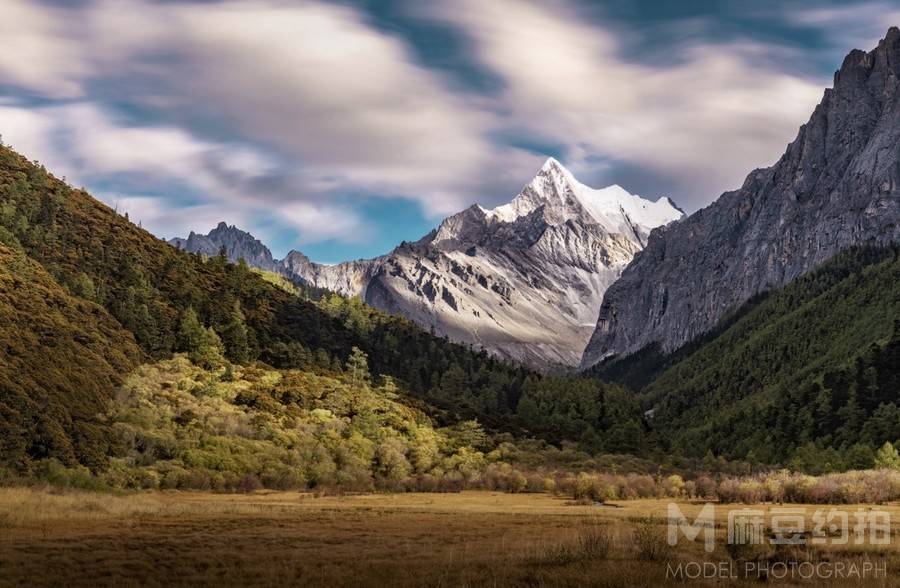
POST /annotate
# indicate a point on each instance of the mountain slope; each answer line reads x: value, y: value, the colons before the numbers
x: 523, y: 281
x: 146, y: 285
x: 837, y: 185
x: 786, y: 369
x: 61, y: 359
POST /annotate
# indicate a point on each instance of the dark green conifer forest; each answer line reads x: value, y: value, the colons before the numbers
x: 805, y: 376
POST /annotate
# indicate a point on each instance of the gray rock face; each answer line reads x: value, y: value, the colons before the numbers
x: 837, y: 185
x: 238, y: 245
x: 347, y: 279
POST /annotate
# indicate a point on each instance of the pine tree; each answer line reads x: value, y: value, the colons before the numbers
x: 211, y: 353
x: 887, y: 457
x: 468, y: 434
x: 859, y: 457
x: 202, y: 345
x: 235, y: 335
x: 191, y: 334
x: 358, y: 367
x: 454, y: 384
x: 709, y: 461
x: 389, y: 388
x: 528, y: 410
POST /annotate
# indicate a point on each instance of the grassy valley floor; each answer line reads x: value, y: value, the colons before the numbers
x: 294, y: 539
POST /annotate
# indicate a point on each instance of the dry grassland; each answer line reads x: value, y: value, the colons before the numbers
x: 292, y: 539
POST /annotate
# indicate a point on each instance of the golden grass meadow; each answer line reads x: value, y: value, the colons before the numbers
x: 472, y: 538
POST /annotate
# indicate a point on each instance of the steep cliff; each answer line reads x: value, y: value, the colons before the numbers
x: 837, y: 185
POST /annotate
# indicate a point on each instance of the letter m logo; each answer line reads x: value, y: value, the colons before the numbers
x: 704, y: 523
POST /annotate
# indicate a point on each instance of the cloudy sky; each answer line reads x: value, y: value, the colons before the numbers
x: 342, y: 128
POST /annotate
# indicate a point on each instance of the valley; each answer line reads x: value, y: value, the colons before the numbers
x: 192, y: 369
x: 543, y: 391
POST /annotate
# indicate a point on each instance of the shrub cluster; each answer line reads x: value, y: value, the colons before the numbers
x: 854, y: 487
x: 864, y: 486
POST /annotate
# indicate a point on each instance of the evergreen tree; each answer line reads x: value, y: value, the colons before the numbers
x: 859, y: 457
x: 235, y: 336
x: 358, y: 367
x: 454, y: 384
x: 202, y: 345
x: 211, y: 354
x: 389, y: 388
x: 468, y: 434
x: 528, y: 410
x: 626, y: 437
x: 887, y: 457
x: 191, y: 334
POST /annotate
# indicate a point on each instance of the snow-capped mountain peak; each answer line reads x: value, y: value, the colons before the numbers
x: 550, y: 186
x: 612, y: 207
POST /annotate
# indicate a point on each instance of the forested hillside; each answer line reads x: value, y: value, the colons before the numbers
x: 807, y: 375
x: 61, y: 356
x: 146, y: 294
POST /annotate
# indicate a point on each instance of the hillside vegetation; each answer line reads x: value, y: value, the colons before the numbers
x: 178, y: 425
x: 806, y: 375
x: 61, y: 356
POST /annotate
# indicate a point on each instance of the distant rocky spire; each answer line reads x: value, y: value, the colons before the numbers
x: 237, y: 244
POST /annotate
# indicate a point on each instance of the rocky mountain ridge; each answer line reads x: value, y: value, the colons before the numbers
x: 237, y: 244
x: 837, y: 185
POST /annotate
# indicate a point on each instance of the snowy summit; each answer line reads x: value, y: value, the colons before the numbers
x: 613, y: 207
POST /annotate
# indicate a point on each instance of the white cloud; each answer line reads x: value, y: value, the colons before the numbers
x: 157, y: 214
x: 324, y: 103
x: 317, y: 222
x: 347, y: 102
x: 851, y: 26
x: 38, y: 52
x: 29, y: 132
x: 704, y: 119
x: 87, y: 145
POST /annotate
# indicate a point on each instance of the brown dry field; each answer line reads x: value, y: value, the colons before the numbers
x: 292, y: 539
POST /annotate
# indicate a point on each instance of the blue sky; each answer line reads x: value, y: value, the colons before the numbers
x: 343, y: 128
